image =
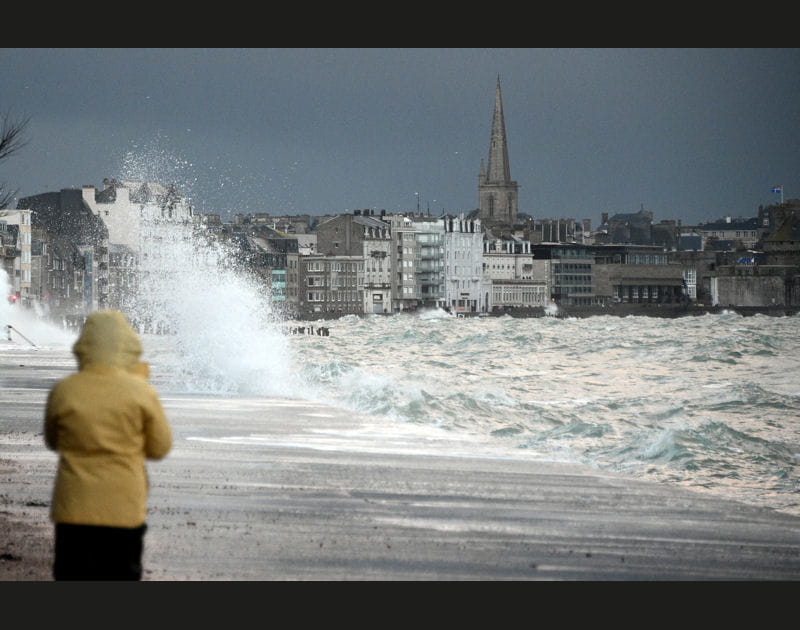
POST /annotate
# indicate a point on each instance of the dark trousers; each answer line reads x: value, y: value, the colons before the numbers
x: 91, y: 552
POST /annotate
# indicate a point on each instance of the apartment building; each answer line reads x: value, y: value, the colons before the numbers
x: 319, y: 286
x: 417, y: 262
x: 15, y: 227
x: 510, y: 271
x: 465, y: 290
x: 365, y: 235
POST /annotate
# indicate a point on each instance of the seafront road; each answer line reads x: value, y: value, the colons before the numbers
x: 271, y: 489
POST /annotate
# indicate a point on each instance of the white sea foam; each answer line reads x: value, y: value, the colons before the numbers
x: 30, y: 326
x: 217, y: 332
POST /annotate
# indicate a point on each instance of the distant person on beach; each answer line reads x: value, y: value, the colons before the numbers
x: 104, y: 421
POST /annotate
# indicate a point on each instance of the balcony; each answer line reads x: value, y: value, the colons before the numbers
x: 430, y: 265
x: 429, y: 253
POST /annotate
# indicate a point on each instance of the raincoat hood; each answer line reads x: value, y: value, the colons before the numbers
x: 104, y: 421
x: 107, y: 338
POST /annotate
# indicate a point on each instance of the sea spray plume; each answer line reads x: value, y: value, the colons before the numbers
x: 29, y: 326
x: 153, y: 162
x: 221, y: 321
x: 194, y: 293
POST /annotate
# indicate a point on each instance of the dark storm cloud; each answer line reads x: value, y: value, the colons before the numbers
x: 689, y: 134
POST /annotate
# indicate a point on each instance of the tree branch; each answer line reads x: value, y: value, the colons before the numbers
x: 11, y: 141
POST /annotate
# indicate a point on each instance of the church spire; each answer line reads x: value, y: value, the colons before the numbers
x: 497, y: 194
x: 498, y: 171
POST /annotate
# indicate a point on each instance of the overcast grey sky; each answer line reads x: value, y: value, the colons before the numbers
x: 690, y: 134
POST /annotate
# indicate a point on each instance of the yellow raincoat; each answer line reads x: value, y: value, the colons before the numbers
x: 105, y: 420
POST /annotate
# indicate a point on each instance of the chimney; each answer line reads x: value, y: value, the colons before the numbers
x: 87, y: 192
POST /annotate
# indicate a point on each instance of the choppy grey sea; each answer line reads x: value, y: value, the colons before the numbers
x: 709, y: 402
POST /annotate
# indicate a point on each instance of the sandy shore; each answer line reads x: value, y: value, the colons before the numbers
x: 269, y: 489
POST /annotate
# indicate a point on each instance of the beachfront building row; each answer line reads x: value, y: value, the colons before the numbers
x: 355, y: 263
x: 397, y: 263
x: 81, y: 250
x: 388, y: 264
x: 74, y: 251
x: 68, y: 251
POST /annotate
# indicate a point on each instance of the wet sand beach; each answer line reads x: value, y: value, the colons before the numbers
x: 272, y: 489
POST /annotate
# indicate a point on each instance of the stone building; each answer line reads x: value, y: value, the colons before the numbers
x: 782, y: 245
x: 362, y: 234
x: 80, y: 240
x: 636, y: 274
x: 736, y: 233
x: 319, y: 286
x: 631, y: 228
x: 773, y: 216
x: 514, y: 278
x: 57, y: 278
x: 755, y: 285
x: 767, y: 278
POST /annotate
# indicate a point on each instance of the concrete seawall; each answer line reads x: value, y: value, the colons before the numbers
x: 646, y: 310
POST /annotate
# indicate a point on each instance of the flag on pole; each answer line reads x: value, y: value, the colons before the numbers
x: 778, y: 189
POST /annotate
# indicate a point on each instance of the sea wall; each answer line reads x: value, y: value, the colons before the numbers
x: 647, y: 310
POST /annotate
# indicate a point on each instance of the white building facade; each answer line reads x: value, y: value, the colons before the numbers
x: 128, y: 208
x: 377, y: 245
x: 464, y: 289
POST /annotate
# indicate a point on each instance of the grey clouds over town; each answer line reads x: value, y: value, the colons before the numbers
x: 689, y: 134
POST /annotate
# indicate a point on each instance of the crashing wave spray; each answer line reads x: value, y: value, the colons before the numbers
x: 211, y: 324
x: 220, y: 322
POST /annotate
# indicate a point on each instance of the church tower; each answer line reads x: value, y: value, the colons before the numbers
x: 497, y: 194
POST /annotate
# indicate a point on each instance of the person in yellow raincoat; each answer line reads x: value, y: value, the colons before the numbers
x: 104, y: 421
